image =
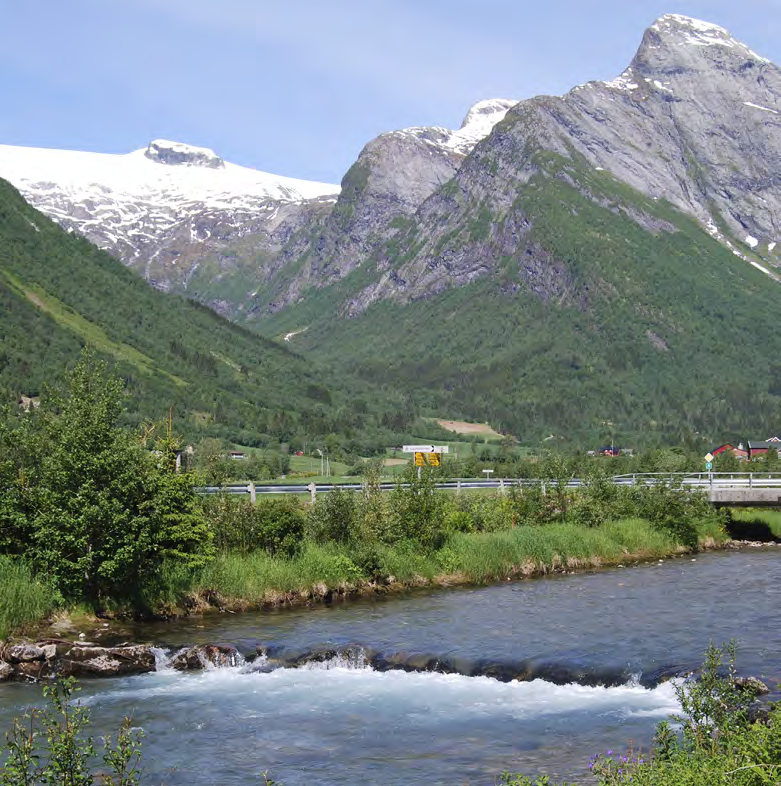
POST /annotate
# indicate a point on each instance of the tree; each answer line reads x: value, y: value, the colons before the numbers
x: 90, y: 506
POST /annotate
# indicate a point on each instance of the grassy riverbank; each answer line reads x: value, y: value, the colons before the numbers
x: 316, y: 571
x: 237, y: 581
x: 762, y: 522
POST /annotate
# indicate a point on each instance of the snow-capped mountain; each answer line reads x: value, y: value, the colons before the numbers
x: 170, y: 210
x: 142, y: 205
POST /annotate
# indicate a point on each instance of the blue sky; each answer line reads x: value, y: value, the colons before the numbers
x: 297, y: 88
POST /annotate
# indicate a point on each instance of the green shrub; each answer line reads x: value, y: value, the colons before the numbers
x: 272, y: 525
x: 673, y: 509
x: 48, y: 746
x: 86, y: 503
x: 333, y: 518
x: 458, y: 521
x: 279, y: 525
x: 717, y: 742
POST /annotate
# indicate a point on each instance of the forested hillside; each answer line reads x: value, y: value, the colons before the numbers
x: 58, y: 293
x: 623, y: 318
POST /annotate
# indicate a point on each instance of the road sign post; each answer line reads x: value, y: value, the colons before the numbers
x: 426, y: 455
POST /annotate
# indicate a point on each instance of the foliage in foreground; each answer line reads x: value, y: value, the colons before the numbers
x: 717, y: 743
x: 48, y: 746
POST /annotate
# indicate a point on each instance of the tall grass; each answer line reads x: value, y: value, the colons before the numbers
x: 531, y: 550
x: 258, y: 578
x: 23, y: 600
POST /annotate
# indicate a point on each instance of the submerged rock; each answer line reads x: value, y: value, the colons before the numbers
x: 202, y: 656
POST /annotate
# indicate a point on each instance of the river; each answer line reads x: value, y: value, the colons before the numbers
x: 336, y: 720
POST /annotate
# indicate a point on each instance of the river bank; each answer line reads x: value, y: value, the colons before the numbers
x: 320, y: 574
x: 324, y: 573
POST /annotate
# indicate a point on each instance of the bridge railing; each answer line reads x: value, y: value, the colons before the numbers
x: 723, y: 479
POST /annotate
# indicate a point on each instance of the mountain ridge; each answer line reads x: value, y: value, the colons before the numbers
x: 597, y: 257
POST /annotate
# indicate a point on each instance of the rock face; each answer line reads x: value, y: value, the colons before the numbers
x: 695, y: 120
x: 177, y: 154
x: 394, y: 174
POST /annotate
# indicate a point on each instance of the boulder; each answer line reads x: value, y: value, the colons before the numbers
x: 752, y: 685
x: 6, y: 672
x: 22, y: 653
x: 92, y: 661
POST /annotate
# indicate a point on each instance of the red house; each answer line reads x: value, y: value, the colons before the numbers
x: 739, y: 451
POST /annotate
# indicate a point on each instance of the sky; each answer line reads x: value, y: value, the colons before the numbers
x: 297, y: 88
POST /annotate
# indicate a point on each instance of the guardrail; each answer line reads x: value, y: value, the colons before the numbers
x: 709, y: 480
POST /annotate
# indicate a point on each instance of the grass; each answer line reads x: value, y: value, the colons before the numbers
x: 23, y: 600
x: 258, y: 578
x: 526, y: 551
x: 772, y: 518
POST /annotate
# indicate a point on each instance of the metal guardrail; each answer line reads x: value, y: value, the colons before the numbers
x: 703, y: 480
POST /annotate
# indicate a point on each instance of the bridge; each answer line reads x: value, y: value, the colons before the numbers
x: 722, y: 489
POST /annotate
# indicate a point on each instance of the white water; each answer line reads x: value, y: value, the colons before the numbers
x: 339, y: 722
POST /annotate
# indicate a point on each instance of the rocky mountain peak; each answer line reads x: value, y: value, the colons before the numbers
x: 675, y: 38
x: 490, y: 111
x: 180, y: 154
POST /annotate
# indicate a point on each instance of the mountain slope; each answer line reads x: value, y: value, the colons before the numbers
x: 593, y: 261
x: 190, y: 222
x: 649, y: 330
x: 58, y: 292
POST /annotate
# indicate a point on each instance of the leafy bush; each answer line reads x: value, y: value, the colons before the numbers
x: 333, y: 517
x: 673, y: 509
x: 48, y: 746
x: 86, y: 503
x: 272, y: 525
x: 717, y: 743
x: 417, y: 508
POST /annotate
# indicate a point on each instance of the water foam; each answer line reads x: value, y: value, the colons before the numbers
x: 347, y: 681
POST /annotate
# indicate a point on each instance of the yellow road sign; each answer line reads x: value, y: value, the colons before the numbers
x: 432, y: 459
x: 420, y: 461
x: 709, y: 457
